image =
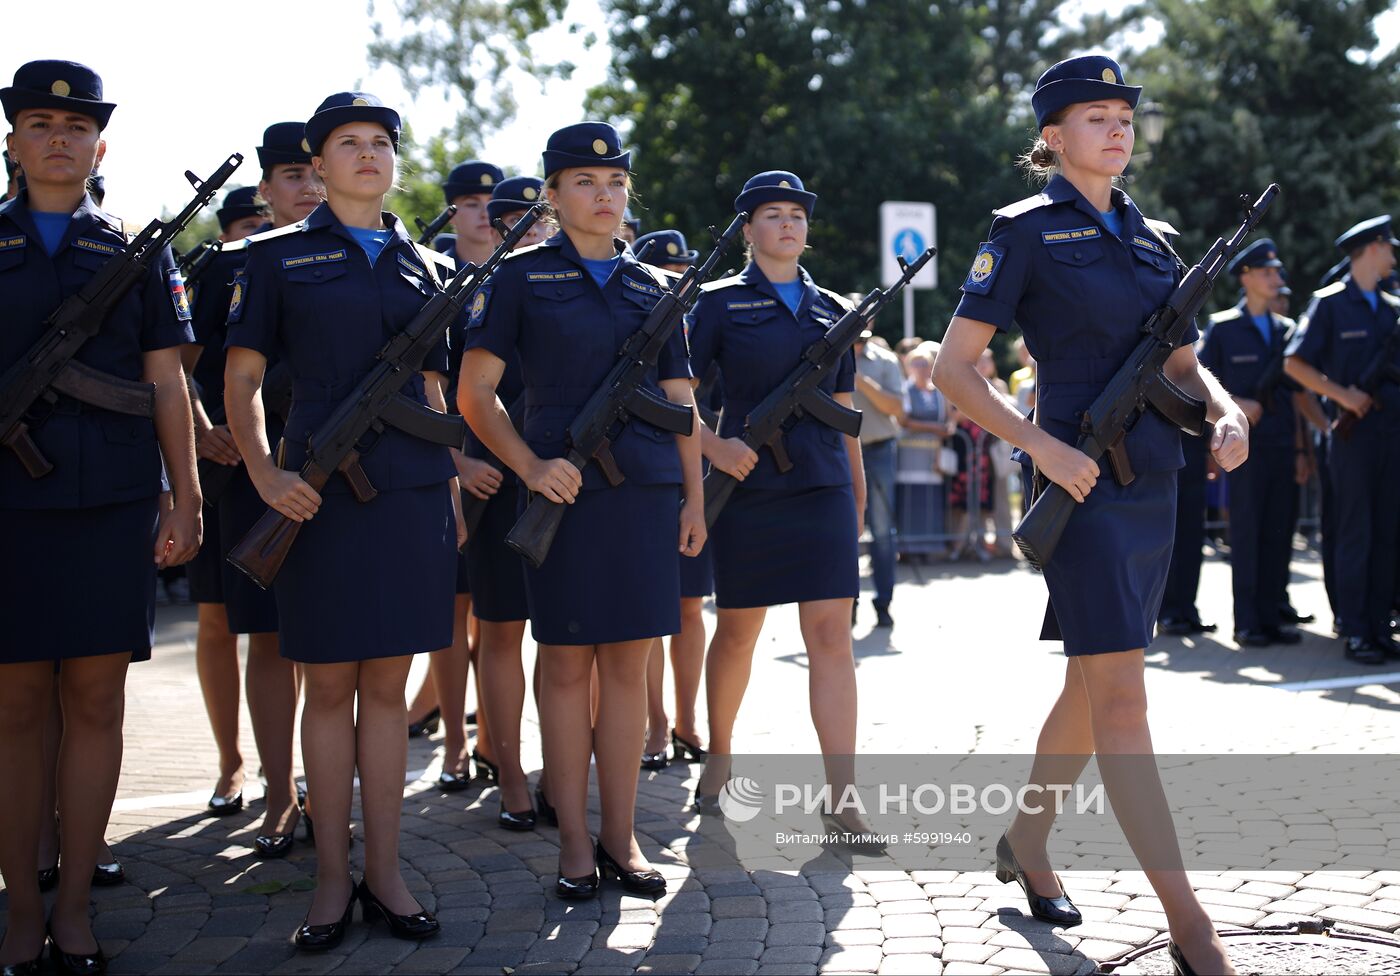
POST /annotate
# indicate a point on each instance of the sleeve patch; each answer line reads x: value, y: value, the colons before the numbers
x: 985, y: 267
x: 478, y: 311
x: 179, y: 297
x: 240, y: 292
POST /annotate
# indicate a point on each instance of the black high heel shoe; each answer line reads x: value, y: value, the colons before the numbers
x: 452, y: 782
x: 656, y: 760
x: 1056, y: 911
x: 636, y: 882
x: 522, y: 820
x: 29, y: 967
x: 270, y: 846
x: 485, y: 768
x: 545, y: 809
x: 48, y: 878
x: 428, y: 725
x: 581, y: 888
x: 707, y: 805
x: 76, y: 963
x: 108, y: 875
x: 319, y: 938
x: 414, y: 926
x: 854, y: 841
x: 1180, y: 967
x: 225, y: 806
x: 686, y: 750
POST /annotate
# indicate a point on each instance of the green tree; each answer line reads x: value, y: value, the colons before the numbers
x: 1260, y: 91
x: 422, y: 169
x: 900, y: 100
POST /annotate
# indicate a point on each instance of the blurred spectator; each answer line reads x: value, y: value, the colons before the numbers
x: 924, y: 459
x: 999, y: 453
x: 878, y: 396
x: 905, y: 346
x: 1022, y: 382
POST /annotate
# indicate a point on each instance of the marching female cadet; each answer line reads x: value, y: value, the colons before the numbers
x: 215, y: 647
x: 668, y: 249
x: 100, y: 523
x: 610, y: 583
x: 1079, y: 269
x: 496, y: 570
x: 468, y: 187
x: 291, y: 190
x: 783, y: 537
x: 367, y: 585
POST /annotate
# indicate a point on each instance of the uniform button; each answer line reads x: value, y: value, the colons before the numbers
x: 1077, y: 255
x: 315, y: 274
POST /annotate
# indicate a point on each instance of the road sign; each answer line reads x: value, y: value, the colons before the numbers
x: 906, y: 229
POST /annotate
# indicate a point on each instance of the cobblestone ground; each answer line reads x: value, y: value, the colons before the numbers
x: 960, y: 672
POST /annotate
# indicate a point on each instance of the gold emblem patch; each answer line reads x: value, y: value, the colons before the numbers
x: 486, y: 179
x: 360, y: 101
x: 528, y: 193
x: 60, y: 88
x: 672, y: 249
x: 478, y: 305
x: 785, y: 184
x: 1109, y: 76
x: 983, y: 267
x: 600, y: 147
x: 306, y: 146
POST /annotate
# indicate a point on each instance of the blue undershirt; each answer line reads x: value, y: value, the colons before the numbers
x: 373, y: 241
x: 791, y: 293
x: 600, y: 270
x: 1266, y: 328
x: 1113, y: 220
x: 1371, y: 298
x: 51, y: 228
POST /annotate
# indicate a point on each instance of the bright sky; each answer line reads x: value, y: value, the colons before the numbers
x: 198, y: 80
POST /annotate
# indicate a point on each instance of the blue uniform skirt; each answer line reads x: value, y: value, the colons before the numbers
x: 776, y: 546
x: 1109, y: 571
x: 611, y: 574
x: 370, y: 580
x: 464, y: 584
x: 496, y: 569
x: 698, y: 574
x: 205, y: 571
x: 251, y: 609
x: 78, y: 582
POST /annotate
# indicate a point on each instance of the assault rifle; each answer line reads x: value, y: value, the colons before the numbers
x: 426, y: 232
x: 1385, y: 367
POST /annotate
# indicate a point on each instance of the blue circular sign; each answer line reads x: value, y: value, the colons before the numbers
x: 909, y: 244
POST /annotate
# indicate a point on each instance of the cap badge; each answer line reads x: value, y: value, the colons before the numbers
x: 600, y: 147
x: 60, y: 88
x: 306, y: 146
x: 671, y: 248
x: 1273, y: 256
x: 784, y: 184
x: 486, y: 179
x: 360, y: 101
x: 1109, y: 76
x: 528, y: 193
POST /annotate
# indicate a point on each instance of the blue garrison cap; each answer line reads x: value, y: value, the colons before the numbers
x: 516, y: 193
x: 239, y: 203
x: 1081, y: 79
x: 1261, y: 254
x: 773, y: 186
x: 345, y: 107
x: 284, y: 142
x: 1374, y: 229
x: 64, y: 85
x: 445, y: 243
x: 585, y: 144
x: 667, y: 247
x: 471, y: 177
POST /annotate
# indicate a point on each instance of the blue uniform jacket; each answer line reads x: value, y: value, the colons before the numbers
x: 1080, y: 296
x: 544, y: 306
x: 1234, y: 350
x: 308, y: 294
x: 1340, y: 336
x: 743, y: 325
x: 99, y: 457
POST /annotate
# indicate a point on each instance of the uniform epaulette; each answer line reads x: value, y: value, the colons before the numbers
x: 1024, y: 206
x: 663, y: 278
x: 1224, y: 315
x: 114, y: 223
x: 522, y: 251
x: 1330, y: 290
x: 842, y: 301
x: 233, y: 246
x: 721, y: 283
x: 1162, y: 227
x: 1391, y: 300
x: 431, y: 256
x: 268, y: 235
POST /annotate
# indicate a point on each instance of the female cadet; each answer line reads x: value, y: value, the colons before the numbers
x: 610, y: 583
x: 468, y: 187
x: 1079, y: 269
x: 291, y: 191
x: 783, y: 538
x: 668, y: 250
x: 100, y: 523
x: 367, y: 585
x: 496, y: 571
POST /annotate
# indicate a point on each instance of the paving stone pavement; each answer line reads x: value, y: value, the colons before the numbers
x: 959, y: 673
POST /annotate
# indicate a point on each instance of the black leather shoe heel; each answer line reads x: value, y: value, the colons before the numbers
x: 427, y: 726
x: 108, y: 875
x: 511, y: 820
x: 582, y: 888
x: 635, y: 882
x: 544, y: 809
x: 656, y: 760
x: 319, y: 938
x: 686, y: 750
x: 707, y: 805
x: 30, y: 967
x: 1056, y: 911
x: 1180, y: 967
x: 225, y: 806
x: 413, y: 926
x: 450, y: 782
x: 485, y: 768
x: 76, y: 963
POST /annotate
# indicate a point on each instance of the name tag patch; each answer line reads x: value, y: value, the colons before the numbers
x: 748, y: 306
x: 10, y: 243
x: 645, y: 289
x: 1353, y: 334
x: 1244, y: 359
x: 1152, y: 246
x: 985, y: 267
x: 304, y: 260
x: 179, y: 297
x: 571, y: 275
x: 97, y: 247
x: 1069, y: 236
x: 420, y: 272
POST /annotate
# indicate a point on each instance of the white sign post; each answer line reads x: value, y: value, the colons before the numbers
x: 906, y: 230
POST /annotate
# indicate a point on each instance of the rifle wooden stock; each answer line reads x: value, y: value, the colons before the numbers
x: 534, y: 532
x: 261, y: 553
x: 1346, y: 423
x: 18, y: 440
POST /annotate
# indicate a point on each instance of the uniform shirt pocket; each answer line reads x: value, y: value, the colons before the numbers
x: 1078, y: 254
x: 754, y: 316
x: 11, y: 258
x: 316, y: 274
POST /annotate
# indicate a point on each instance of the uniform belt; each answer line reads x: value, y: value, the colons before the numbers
x: 1051, y: 371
